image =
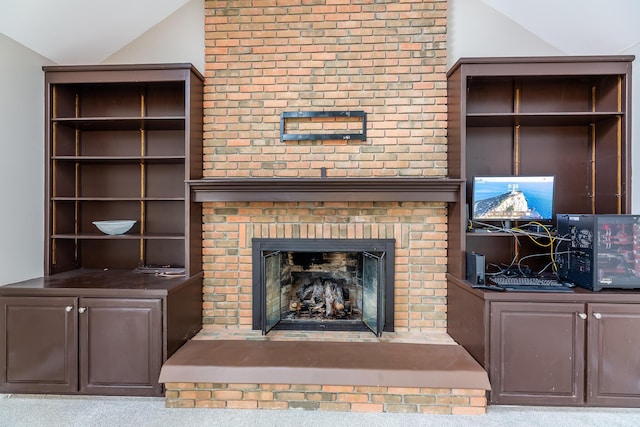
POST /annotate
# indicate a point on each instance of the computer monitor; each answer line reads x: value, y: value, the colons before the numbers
x: 512, y: 198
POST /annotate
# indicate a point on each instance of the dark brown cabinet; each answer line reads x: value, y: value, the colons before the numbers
x: 95, y: 332
x: 38, y: 344
x: 568, y: 117
x: 66, y: 345
x: 541, y: 353
x: 549, y: 351
x: 613, y: 354
x: 552, y: 349
x: 121, y: 142
x: 105, y: 323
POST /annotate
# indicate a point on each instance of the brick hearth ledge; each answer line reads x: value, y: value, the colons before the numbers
x: 343, y: 376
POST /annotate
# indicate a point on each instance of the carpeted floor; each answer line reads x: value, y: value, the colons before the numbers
x: 53, y: 411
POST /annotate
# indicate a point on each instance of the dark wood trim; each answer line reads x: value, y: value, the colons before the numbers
x: 326, y: 189
x: 563, y: 65
x: 125, y: 67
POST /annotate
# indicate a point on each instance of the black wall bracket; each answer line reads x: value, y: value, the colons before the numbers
x: 360, y: 136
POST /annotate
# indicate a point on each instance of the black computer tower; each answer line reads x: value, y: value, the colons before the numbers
x: 599, y: 251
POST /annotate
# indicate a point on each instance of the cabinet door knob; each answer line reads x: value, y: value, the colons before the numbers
x: 597, y: 316
x: 82, y: 310
x: 68, y: 308
x: 583, y: 316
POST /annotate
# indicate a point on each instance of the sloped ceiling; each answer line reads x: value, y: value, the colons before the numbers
x: 88, y: 31
x: 81, y: 31
x: 578, y: 27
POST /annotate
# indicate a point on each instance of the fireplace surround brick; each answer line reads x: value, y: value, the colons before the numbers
x: 419, y: 230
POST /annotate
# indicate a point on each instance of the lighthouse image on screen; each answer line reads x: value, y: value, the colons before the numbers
x: 513, y: 198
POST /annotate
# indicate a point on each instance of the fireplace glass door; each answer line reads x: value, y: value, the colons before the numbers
x: 300, y: 285
x: 272, y: 290
x: 372, y: 297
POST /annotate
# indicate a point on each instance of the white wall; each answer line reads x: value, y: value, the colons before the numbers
x: 476, y: 29
x: 178, y: 38
x: 21, y: 162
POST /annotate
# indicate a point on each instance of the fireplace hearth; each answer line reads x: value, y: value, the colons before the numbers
x: 323, y: 284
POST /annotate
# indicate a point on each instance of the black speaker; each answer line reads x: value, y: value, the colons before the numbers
x: 475, y: 268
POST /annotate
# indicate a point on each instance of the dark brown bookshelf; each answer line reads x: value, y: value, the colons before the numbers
x: 563, y: 116
x: 121, y: 141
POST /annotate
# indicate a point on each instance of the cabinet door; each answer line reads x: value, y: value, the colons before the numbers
x: 537, y: 353
x: 38, y: 345
x: 120, y: 346
x: 614, y: 355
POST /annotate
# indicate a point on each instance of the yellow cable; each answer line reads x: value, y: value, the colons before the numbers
x: 549, y: 245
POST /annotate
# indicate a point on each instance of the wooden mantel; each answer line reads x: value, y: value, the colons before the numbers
x: 326, y: 189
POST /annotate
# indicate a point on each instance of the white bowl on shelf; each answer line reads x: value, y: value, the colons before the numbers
x: 114, y: 227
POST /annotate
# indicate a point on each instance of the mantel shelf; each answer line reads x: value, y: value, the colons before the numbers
x: 326, y: 189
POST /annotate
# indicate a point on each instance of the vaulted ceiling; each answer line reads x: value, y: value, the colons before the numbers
x: 577, y: 27
x: 89, y: 31
x: 81, y: 31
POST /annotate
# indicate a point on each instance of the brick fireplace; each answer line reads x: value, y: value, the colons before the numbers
x: 418, y: 228
x: 385, y: 59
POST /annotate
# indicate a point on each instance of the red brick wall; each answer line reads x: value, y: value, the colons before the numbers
x: 386, y: 58
x: 423, y: 400
x: 419, y: 230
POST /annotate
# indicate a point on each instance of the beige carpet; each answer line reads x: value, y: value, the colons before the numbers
x: 53, y: 411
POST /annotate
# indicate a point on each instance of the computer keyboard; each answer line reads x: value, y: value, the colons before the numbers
x: 523, y: 281
x: 529, y: 284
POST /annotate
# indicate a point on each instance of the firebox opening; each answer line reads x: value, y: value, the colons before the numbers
x: 323, y: 284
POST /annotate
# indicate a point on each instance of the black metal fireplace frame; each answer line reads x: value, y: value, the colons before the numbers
x: 259, y: 245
